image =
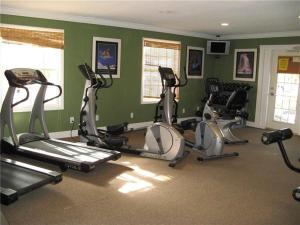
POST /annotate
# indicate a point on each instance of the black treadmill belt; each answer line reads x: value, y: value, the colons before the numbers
x: 68, y: 154
x: 18, y: 178
x: 21, y: 179
x: 71, y: 152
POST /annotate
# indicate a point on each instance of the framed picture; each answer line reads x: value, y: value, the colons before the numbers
x: 244, y: 64
x: 106, y: 52
x: 195, y: 62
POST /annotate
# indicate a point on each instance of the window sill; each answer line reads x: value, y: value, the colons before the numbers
x: 146, y: 101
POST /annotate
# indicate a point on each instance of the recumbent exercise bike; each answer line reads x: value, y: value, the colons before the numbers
x: 278, y: 137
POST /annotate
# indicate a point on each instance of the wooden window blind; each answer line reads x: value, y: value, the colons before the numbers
x: 158, y: 53
x: 42, y: 38
x: 159, y: 44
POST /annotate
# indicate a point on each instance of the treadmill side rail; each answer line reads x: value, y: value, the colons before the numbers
x: 57, y: 177
x: 11, y: 187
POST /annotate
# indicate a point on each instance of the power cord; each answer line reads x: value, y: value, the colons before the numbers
x: 71, y: 131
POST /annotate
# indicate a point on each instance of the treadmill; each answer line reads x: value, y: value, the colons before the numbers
x: 38, y: 146
x: 18, y: 178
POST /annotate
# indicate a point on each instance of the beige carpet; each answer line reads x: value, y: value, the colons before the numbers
x: 253, y: 189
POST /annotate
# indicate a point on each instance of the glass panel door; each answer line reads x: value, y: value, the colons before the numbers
x: 284, y: 95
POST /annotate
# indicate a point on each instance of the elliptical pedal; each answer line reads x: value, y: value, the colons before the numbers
x: 214, y: 157
x: 177, y: 160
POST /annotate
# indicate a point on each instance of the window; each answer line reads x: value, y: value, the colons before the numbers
x: 157, y: 53
x: 36, y: 48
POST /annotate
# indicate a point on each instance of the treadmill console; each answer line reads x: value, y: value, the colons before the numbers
x: 23, y: 76
x: 168, y: 75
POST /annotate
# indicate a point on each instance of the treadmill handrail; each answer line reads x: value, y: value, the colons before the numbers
x: 24, y: 99
x: 49, y: 84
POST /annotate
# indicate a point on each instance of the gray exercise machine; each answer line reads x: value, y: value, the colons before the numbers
x: 230, y: 115
x: 40, y: 146
x: 18, y: 178
x: 208, y: 136
x: 278, y: 136
x: 162, y: 141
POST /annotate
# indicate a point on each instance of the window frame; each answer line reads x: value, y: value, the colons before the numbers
x: 143, y: 102
x: 61, y: 103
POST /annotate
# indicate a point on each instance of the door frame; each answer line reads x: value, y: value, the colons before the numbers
x: 263, y: 81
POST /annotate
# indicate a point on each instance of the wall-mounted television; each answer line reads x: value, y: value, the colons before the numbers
x: 218, y: 47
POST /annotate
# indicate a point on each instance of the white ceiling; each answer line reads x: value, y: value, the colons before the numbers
x: 199, y: 18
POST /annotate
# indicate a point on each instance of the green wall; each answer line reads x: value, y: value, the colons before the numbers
x: 223, y: 67
x: 117, y: 102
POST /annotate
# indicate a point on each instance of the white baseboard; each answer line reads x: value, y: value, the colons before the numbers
x: 63, y: 134
x: 251, y: 124
x: 133, y: 126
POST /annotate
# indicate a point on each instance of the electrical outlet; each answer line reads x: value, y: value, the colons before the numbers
x: 131, y: 115
x: 97, y: 117
x: 72, y: 119
x: 183, y: 110
x: 198, y: 108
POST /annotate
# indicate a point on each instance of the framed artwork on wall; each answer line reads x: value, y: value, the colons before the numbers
x: 106, y: 52
x: 194, y: 62
x: 244, y: 68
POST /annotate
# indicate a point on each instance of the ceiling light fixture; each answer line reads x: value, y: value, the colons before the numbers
x: 166, y: 11
x: 224, y: 24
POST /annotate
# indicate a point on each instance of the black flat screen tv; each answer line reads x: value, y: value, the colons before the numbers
x: 218, y: 47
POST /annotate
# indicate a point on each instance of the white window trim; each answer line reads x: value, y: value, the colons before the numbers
x: 47, y: 107
x: 143, y: 57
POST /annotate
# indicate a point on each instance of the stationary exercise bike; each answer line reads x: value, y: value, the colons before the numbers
x: 229, y: 115
x: 208, y: 136
x: 162, y: 141
x: 279, y: 136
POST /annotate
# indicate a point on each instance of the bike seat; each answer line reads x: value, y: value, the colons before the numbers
x: 117, y: 129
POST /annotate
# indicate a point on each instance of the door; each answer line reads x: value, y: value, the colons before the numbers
x: 284, y: 93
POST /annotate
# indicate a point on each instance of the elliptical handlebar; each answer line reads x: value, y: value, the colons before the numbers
x: 110, y: 78
x: 180, y: 84
x: 96, y: 82
x: 167, y: 74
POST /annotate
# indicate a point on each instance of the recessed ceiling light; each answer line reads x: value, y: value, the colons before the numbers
x: 166, y: 11
x: 299, y: 17
x: 224, y: 24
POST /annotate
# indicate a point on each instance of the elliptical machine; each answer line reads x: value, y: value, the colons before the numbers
x: 167, y: 107
x: 162, y: 141
x: 208, y: 135
x: 277, y: 137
